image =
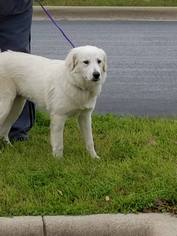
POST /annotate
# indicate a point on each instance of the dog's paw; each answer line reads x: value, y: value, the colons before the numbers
x: 96, y: 157
x: 3, y: 143
x: 58, y: 155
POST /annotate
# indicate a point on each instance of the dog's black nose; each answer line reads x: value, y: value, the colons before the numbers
x: 96, y: 76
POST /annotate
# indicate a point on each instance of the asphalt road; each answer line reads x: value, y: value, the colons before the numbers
x: 142, y: 61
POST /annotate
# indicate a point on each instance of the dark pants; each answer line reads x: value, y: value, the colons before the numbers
x: 15, y: 33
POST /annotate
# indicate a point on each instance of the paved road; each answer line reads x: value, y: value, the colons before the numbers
x: 142, y: 76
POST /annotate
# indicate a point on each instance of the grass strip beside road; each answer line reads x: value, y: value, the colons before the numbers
x: 111, y: 2
x: 137, y: 171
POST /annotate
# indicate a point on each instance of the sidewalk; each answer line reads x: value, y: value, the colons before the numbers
x: 94, y: 225
x: 108, y: 13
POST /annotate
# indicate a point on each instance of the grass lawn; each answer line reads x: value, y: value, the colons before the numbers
x: 111, y: 2
x: 137, y: 172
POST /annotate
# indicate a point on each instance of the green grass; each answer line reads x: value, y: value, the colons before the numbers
x: 137, y: 170
x: 111, y: 2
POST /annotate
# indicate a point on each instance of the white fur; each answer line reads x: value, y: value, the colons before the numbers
x: 63, y: 88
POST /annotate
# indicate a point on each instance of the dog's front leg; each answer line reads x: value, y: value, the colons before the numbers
x: 56, y: 134
x: 85, y: 123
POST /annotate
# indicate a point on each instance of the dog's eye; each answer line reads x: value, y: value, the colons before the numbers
x: 99, y: 61
x: 86, y: 62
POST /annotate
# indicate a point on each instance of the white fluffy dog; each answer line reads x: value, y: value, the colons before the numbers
x: 63, y: 88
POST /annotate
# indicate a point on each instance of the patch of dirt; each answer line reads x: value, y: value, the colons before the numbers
x: 162, y: 206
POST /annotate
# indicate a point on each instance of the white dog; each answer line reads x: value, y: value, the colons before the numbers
x: 63, y: 88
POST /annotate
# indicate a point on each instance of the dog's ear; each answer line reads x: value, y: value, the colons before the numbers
x: 71, y: 60
x: 104, y: 61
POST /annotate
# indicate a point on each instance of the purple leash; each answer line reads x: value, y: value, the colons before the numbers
x: 55, y: 23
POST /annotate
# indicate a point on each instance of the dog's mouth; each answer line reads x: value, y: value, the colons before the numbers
x: 95, y: 79
x: 92, y: 79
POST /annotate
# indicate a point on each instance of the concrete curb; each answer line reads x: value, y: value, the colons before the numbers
x: 149, y: 224
x: 108, y: 13
x: 21, y: 226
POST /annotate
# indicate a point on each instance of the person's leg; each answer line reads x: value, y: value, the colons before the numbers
x: 24, y: 123
x: 15, y: 33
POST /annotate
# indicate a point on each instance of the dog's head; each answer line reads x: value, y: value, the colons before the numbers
x: 87, y: 65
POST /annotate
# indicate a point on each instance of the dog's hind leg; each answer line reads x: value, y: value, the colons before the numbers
x: 7, y: 97
x: 5, y: 107
x: 14, y: 113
